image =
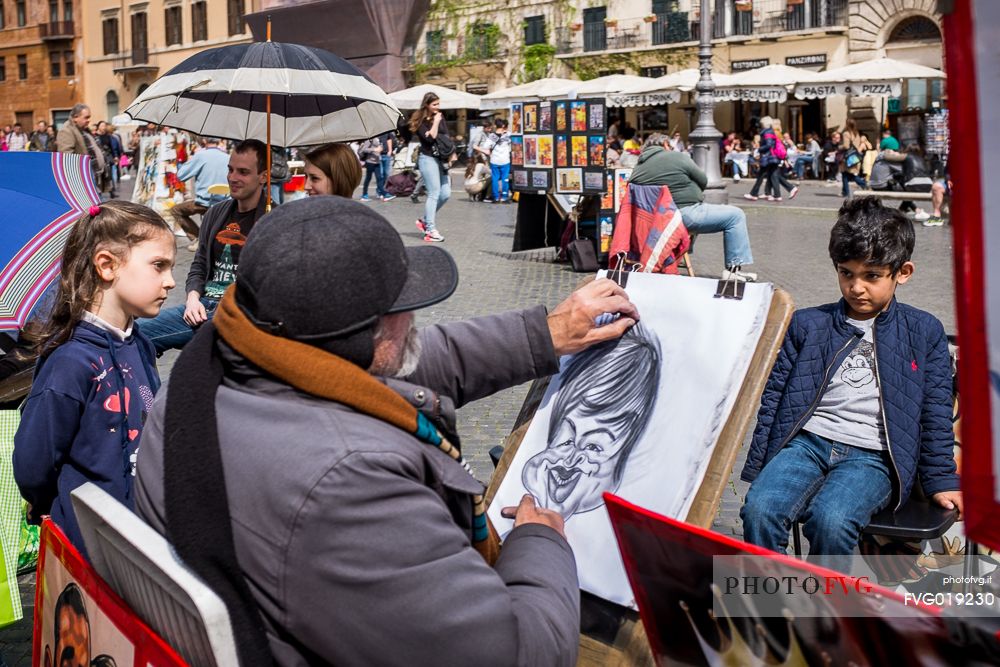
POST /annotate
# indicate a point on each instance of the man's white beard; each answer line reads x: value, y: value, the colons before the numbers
x: 411, y: 354
x: 409, y: 358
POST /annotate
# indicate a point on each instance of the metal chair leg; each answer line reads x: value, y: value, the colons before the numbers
x: 796, y: 540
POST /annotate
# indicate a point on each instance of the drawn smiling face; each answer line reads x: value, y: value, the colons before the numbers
x: 858, y: 368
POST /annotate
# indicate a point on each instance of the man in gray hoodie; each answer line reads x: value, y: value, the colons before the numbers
x: 345, y: 503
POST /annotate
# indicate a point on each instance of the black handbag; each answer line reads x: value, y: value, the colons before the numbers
x: 582, y: 256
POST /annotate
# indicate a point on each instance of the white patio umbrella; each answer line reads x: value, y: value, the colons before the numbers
x: 535, y: 90
x: 410, y: 98
x: 882, y: 77
x: 604, y: 86
x: 765, y: 84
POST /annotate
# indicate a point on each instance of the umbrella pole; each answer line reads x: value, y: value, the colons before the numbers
x: 268, y: 206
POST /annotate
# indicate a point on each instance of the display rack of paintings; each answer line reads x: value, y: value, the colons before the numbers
x: 561, y: 145
x: 581, y: 166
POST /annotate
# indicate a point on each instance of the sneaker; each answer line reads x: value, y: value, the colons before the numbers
x: 795, y: 191
x: 504, y: 201
x: 388, y: 197
x: 750, y: 197
x: 421, y: 225
x: 736, y: 178
x: 744, y: 276
x: 433, y: 236
x: 934, y: 221
x: 921, y: 215
x: 778, y: 199
x: 193, y: 246
x: 495, y: 201
x: 365, y: 198
x: 415, y: 199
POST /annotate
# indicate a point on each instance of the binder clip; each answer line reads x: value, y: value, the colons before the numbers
x: 619, y: 274
x: 731, y: 288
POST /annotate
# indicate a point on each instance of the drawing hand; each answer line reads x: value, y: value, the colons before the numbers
x: 528, y: 512
x: 573, y: 325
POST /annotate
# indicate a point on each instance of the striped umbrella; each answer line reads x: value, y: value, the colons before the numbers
x: 314, y: 97
x: 41, y: 196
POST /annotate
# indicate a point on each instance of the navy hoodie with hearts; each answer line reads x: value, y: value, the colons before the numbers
x: 82, y: 421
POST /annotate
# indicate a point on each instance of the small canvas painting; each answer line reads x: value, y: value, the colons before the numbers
x: 562, y: 151
x: 579, y: 151
x: 520, y: 178
x: 608, y: 197
x: 578, y: 116
x: 530, y: 118
x: 545, y: 117
x: 593, y: 181
x: 517, y: 151
x: 595, y: 121
x: 544, y: 150
x: 621, y: 186
x: 561, y: 124
x: 530, y: 150
x: 540, y: 180
x: 569, y: 180
x: 515, y: 119
x: 596, y: 146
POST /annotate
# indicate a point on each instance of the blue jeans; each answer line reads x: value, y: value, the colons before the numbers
x: 376, y: 171
x: 277, y: 194
x: 500, y: 173
x: 800, y: 166
x: 169, y: 331
x: 386, y: 162
x: 834, y: 489
x: 847, y: 178
x: 731, y: 221
x: 438, y: 184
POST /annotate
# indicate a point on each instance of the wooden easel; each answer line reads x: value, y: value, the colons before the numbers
x: 630, y: 647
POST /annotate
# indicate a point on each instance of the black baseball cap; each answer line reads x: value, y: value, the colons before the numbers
x: 323, y: 270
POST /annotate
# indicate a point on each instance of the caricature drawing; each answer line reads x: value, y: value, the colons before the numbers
x: 604, y: 404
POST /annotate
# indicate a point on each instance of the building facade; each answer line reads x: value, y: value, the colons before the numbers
x: 128, y: 44
x: 40, y: 77
x: 481, y: 47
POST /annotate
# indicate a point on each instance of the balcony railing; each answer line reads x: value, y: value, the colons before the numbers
x: 56, y: 30
x: 140, y: 56
x: 759, y: 19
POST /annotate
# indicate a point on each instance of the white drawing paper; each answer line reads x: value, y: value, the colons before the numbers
x: 638, y: 417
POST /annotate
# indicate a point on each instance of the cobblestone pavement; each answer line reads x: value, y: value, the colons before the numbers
x: 789, y: 243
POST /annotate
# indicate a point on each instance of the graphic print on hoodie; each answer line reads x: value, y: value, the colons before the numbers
x: 82, y: 422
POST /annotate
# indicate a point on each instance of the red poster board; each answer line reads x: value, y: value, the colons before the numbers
x: 670, y: 567
x: 972, y: 67
x: 107, y: 628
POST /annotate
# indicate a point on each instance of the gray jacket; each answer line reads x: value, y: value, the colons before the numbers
x: 355, y: 537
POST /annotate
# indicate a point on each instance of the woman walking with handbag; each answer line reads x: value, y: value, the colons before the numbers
x: 853, y: 144
x: 437, y: 150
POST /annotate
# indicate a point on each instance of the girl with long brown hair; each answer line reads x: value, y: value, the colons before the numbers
x: 332, y: 169
x: 96, y: 374
x: 431, y: 128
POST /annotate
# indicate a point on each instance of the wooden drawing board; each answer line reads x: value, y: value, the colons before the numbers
x: 629, y: 647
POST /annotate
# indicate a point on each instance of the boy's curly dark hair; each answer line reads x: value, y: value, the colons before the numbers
x: 868, y: 231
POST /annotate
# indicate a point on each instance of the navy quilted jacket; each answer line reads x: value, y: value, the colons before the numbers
x: 914, y: 374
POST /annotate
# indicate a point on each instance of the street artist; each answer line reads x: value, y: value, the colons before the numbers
x: 312, y: 447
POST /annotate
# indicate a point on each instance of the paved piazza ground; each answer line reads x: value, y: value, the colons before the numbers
x: 789, y: 243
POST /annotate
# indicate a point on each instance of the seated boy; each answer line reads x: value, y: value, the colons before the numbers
x: 858, y: 404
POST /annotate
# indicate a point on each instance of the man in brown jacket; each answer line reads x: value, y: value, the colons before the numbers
x: 70, y: 139
x: 345, y: 503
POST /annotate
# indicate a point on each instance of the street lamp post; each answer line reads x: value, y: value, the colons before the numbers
x: 705, y: 137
